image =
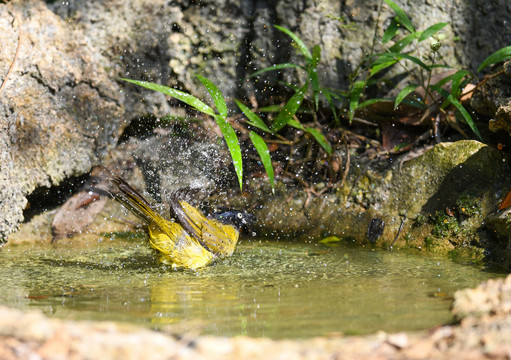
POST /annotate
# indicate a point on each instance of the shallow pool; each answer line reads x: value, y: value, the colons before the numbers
x: 268, y: 288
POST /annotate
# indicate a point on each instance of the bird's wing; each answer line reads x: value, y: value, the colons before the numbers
x: 219, y: 238
x: 179, y: 248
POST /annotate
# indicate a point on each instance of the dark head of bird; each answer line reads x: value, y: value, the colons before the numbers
x: 240, y: 219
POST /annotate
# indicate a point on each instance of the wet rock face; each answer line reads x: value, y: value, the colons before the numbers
x: 63, y: 106
x: 439, y: 201
x: 59, y: 111
x: 494, y: 93
x: 164, y: 42
x: 493, y: 99
x: 448, y: 194
x: 169, y: 42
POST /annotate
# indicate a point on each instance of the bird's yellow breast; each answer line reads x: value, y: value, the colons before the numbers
x: 177, y: 247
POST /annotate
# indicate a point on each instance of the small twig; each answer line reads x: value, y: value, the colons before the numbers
x: 284, y: 141
x: 309, y: 189
x: 428, y: 92
x: 8, y: 4
x: 482, y: 82
x: 347, y: 166
x: 436, y: 128
x: 303, y: 183
x: 253, y: 99
x: 363, y: 138
x: 297, y: 178
x: 365, y: 122
x: 376, y: 27
x: 400, y: 229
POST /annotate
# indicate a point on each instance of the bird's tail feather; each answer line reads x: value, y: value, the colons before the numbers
x: 135, y: 202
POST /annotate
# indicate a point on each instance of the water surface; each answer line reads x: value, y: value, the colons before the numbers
x: 272, y: 289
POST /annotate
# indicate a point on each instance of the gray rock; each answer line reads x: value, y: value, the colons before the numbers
x: 60, y: 111
x: 493, y: 99
x: 499, y: 224
x: 438, y: 200
x: 228, y: 40
x: 490, y: 297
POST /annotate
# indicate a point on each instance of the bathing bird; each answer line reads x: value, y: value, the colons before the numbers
x: 189, y: 240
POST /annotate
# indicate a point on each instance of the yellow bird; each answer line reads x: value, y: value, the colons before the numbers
x: 191, y: 242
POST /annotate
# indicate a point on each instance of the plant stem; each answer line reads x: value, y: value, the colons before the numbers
x: 430, y: 71
x: 376, y: 27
